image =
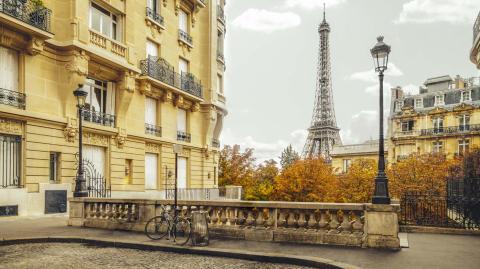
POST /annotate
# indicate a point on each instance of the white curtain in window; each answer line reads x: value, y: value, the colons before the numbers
x: 219, y: 84
x: 151, y: 165
x: 152, y: 49
x: 110, y: 99
x: 181, y: 120
x: 182, y: 173
x: 8, y: 69
x: 183, y: 21
x: 96, y: 155
x: 183, y: 66
x: 152, y: 4
x: 151, y: 111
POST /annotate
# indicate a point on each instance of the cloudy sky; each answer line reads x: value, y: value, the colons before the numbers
x: 272, y: 49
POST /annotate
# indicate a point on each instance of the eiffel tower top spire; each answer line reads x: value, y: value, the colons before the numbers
x: 323, y: 131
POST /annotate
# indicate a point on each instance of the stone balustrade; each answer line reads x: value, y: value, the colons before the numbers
x: 360, y: 225
x: 108, y: 44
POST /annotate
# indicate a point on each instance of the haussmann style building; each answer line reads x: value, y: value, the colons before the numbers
x: 154, y: 73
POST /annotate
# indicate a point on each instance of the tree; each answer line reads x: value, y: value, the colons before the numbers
x: 309, y: 180
x: 263, y: 181
x: 356, y: 186
x: 235, y: 167
x: 289, y: 156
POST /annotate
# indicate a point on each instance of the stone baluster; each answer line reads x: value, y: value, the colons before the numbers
x: 333, y: 223
x: 357, y: 225
x: 223, y: 216
x: 270, y: 222
x: 312, y: 221
x: 260, y: 220
x: 282, y: 219
x: 250, y: 220
x: 99, y: 210
x: 108, y: 211
x: 232, y: 216
x: 214, y: 216
x: 301, y: 222
x: 241, y: 217
x: 133, y: 212
x: 323, y: 222
x: 114, y: 212
x: 346, y: 226
x: 291, y: 221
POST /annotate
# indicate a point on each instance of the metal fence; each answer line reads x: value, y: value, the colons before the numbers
x: 10, y: 161
x: 93, y: 116
x: 12, y: 98
x: 28, y: 12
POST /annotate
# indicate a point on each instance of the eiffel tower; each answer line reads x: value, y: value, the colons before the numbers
x: 323, y: 132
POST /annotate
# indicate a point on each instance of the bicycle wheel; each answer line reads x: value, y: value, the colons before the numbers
x: 183, y: 231
x: 157, y: 228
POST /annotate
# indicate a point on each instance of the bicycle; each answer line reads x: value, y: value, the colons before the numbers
x: 177, y: 227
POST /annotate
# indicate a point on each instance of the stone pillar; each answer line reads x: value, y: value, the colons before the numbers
x: 381, y: 226
x: 76, y: 212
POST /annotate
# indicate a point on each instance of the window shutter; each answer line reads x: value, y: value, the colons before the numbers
x: 151, y: 167
x: 110, y: 99
x: 151, y: 111
x: 8, y: 69
x: 183, y: 66
x: 182, y: 173
x: 152, y: 49
x: 181, y: 120
x: 183, y: 18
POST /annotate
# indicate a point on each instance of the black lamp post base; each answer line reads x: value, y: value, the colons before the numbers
x: 380, y: 196
x: 79, y: 194
x: 380, y: 200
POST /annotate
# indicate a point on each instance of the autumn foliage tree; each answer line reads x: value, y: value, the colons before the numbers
x: 263, y: 181
x: 357, y: 185
x: 236, y: 167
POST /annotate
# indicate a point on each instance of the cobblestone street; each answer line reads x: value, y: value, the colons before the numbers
x: 56, y: 255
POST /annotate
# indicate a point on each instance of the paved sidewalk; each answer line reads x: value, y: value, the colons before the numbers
x: 425, y: 250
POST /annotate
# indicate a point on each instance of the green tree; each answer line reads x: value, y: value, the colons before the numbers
x: 289, y: 156
x: 264, y: 179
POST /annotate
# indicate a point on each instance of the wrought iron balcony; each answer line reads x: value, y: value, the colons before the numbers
x: 153, y: 129
x: 451, y: 130
x: 27, y: 11
x: 220, y: 14
x: 155, y: 16
x: 476, y: 27
x: 183, y: 136
x: 160, y: 69
x: 215, y: 143
x: 12, y: 98
x: 185, y: 37
x: 98, y: 117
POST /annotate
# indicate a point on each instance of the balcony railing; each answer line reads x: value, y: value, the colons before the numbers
x: 406, y: 133
x: 476, y: 27
x: 155, y: 16
x: 451, y: 130
x: 98, y: 117
x: 185, y: 37
x: 183, y: 136
x: 28, y: 12
x: 12, y: 98
x: 153, y: 129
x: 220, y: 56
x: 108, y: 44
x: 160, y: 69
x: 215, y: 143
x: 220, y: 14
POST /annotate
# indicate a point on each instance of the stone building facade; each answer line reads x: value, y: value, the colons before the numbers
x: 343, y: 156
x: 475, y: 52
x: 154, y: 72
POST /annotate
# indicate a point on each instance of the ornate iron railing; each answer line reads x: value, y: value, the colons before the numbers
x: 12, y: 98
x: 215, y: 143
x: 160, y: 69
x: 153, y: 129
x: 451, y: 130
x: 220, y: 13
x: 98, y: 117
x: 95, y: 182
x: 183, y: 136
x: 476, y: 27
x: 10, y: 161
x: 28, y: 12
x: 155, y: 16
x: 185, y: 37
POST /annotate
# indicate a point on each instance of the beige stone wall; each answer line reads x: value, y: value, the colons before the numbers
x: 50, y: 69
x: 337, y: 160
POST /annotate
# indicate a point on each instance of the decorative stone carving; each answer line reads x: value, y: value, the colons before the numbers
x: 167, y: 97
x: 206, y: 151
x: 121, y: 137
x: 71, y: 130
x: 165, y: 3
x: 151, y: 147
x: 145, y: 87
x: 9, y: 38
x: 128, y: 81
x: 95, y: 139
x: 154, y: 27
x: 179, y: 101
x: 11, y: 127
x: 79, y: 63
x: 35, y: 46
x: 195, y: 107
x: 463, y: 107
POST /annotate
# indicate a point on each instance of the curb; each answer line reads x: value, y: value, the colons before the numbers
x: 214, y: 252
x: 437, y: 230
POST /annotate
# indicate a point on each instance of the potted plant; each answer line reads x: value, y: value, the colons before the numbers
x: 38, y: 16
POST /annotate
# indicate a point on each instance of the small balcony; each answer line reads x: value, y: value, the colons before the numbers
x: 12, y: 98
x: 28, y: 12
x: 453, y: 130
x: 410, y: 133
x: 108, y: 44
x: 184, y: 136
x: 159, y: 69
x: 221, y: 14
x: 185, y: 38
x: 154, y: 16
x: 96, y: 117
x: 215, y: 143
x: 153, y: 130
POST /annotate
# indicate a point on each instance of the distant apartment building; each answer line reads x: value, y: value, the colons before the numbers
x: 475, y: 52
x: 154, y: 72
x: 443, y: 117
x: 343, y: 156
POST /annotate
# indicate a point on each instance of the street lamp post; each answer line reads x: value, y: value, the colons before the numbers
x: 80, y: 185
x: 380, y: 58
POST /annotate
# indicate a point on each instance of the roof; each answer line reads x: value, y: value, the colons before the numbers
x: 435, y: 80
x: 368, y: 147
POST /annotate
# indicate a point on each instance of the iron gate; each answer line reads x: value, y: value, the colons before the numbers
x: 10, y: 161
x: 96, y: 183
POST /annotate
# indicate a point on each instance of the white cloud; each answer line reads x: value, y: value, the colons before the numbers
x: 429, y: 11
x: 363, y: 126
x: 371, y: 76
x: 312, y: 4
x: 261, y: 20
x: 410, y: 89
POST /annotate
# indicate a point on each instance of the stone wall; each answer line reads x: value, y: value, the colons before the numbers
x: 359, y: 225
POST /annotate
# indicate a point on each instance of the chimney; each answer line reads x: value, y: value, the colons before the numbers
x: 459, y: 82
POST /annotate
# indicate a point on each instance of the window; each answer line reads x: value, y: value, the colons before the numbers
x: 129, y: 171
x: 466, y: 96
x: 437, y: 146
x: 419, y: 103
x: 439, y: 100
x: 438, y: 125
x: 182, y: 173
x: 464, y: 122
x: 183, y: 21
x: 96, y: 157
x: 54, y: 167
x: 8, y: 69
x: 101, y: 96
x: 150, y: 111
x: 152, y: 49
x: 407, y: 126
x: 398, y: 105
x: 153, y: 5
x: 220, y: 40
x: 346, y: 164
x: 463, y: 145
x: 10, y: 160
x: 181, y: 120
x: 105, y: 22
x: 183, y: 66
x: 151, y: 171
x: 219, y: 83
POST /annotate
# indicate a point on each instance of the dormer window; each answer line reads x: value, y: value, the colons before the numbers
x: 466, y: 96
x: 398, y: 105
x: 439, y: 100
x: 418, y: 103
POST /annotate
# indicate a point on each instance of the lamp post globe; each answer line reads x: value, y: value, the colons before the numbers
x: 380, y: 53
x: 80, y: 185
